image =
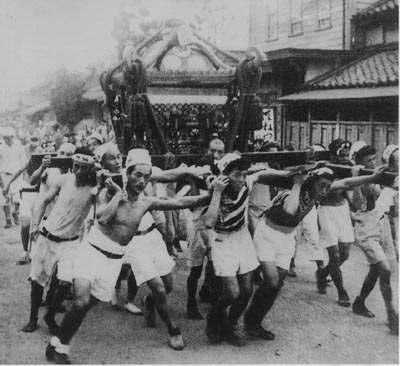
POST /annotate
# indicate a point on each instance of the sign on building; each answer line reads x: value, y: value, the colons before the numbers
x: 267, y: 132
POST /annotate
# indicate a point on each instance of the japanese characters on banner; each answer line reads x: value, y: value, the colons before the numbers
x: 267, y: 132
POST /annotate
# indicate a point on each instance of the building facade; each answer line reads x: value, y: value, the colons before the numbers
x: 306, y: 41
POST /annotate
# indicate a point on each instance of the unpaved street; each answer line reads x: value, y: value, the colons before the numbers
x: 309, y: 327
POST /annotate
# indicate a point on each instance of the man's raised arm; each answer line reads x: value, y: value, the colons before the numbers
x: 37, y: 174
x: 270, y: 176
x: 178, y: 173
x: 178, y: 203
x: 350, y: 183
x: 107, y: 207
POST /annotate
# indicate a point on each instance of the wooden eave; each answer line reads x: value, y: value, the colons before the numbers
x: 217, y: 79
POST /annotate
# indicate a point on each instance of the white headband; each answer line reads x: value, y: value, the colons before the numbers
x: 83, y: 159
x: 320, y: 171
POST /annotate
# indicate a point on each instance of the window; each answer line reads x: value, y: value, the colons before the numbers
x: 272, y: 19
x: 296, y: 17
x: 374, y: 35
x: 324, y: 14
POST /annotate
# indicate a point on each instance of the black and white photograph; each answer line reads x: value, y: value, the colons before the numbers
x: 199, y: 182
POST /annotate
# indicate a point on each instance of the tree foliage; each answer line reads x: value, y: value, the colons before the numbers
x: 67, y: 99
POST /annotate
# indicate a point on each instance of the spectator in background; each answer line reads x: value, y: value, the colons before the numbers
x: 94, y: 141
x: 56, y: 135
x: 33, y: 146
x: 12, y: 158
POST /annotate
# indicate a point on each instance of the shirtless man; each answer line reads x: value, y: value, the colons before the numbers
x: 99, y: 259
x: 57, y: 239
x: 29, y: 193
x: 46, y: 176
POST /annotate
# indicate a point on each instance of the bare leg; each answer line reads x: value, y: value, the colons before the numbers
x: 264, y: 298
x: 217, y: 317
x: 159, y: 296
x: 82, y: 303
x: 245, y: 283
x: 386, y: 290
x: 192, y: 281
x: 344, y: 252
x: 132, y: 287
x: 210, y: 289
x: 336, y: 274
x: 160, y: 288
x: 25, y: 227
x: 58, y: 348
x: 7, y: 214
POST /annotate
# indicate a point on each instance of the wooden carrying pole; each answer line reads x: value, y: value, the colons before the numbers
x: 284, y: 158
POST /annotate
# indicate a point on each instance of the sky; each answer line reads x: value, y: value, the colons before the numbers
x: 38, y: 37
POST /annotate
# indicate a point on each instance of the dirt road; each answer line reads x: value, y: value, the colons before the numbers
x: 309, y: 327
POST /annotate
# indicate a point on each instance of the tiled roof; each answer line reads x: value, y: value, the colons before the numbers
x: 379, y: 69
x: 382, y: 92
x: 378, y: 7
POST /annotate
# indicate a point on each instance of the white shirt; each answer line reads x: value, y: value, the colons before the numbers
x: 12, y: 158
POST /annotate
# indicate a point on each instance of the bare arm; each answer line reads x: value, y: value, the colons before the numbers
x: 291, y: 202
x: 107, y: 207
x: 14, y: 178
x: 37, y: 174
x: 356, y: 198
x: 177, y: 203
x: 268, y: 176
x: 212, y: 213
x: 172, y: 175
x: 350, y: 183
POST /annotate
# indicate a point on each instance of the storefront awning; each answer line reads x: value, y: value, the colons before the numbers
x: 343, y: 94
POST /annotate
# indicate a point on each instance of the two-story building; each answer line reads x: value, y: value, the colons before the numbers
x: 307, y: 41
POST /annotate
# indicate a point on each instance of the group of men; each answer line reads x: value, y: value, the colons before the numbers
x: 89, y: 223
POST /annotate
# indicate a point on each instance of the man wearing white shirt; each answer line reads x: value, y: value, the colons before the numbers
x: 12, y: 159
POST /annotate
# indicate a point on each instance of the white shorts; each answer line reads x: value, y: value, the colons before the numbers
x: 148, y: 256
x: 367, y: 229
x: 46, y: 254
x: 335, y: 225
x: 233, y: 253
x: 28, y: 201
x: 96, y: 267
x: 274, y: 246
x: 199, y: 243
